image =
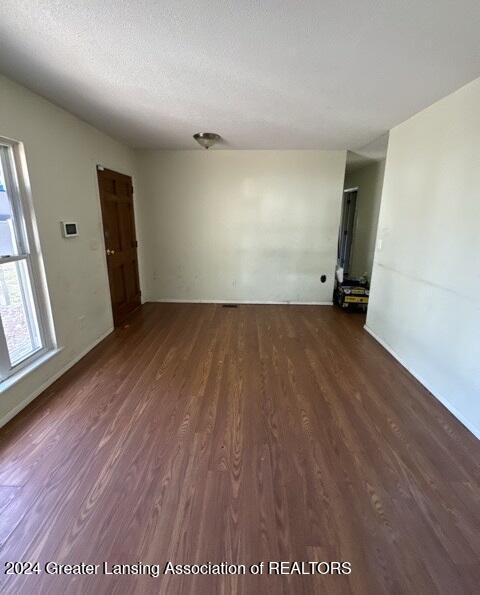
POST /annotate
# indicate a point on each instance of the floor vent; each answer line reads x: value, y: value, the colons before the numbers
x: 229, y: 305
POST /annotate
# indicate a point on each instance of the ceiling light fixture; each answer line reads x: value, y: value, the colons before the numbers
x: 207, y: 139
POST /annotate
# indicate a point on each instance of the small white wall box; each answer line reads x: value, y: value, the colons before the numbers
x: 69, y: 229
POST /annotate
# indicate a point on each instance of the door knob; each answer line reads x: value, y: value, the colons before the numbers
x: 109, y: 252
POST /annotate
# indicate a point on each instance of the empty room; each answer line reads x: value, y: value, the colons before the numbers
x: 239, y: 297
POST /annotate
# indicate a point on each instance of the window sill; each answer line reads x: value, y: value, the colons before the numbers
x: 26, y: 370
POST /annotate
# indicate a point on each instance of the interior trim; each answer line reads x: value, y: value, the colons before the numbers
x: 445, y: 402
x: 13, y: 412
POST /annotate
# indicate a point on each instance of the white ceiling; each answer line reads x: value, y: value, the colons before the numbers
x: 376, y: 150
x: 328, y: 74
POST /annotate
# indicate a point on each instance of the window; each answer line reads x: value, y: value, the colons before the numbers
x: 26, y: 331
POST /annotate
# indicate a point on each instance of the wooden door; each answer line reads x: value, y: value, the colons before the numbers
x: 116, y: 198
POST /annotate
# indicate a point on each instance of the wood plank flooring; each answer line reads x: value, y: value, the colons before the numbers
x: 206, y: 434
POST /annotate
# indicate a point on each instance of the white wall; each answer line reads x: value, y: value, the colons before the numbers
x: 62, y: 153
x: 425, y: 298
x: 369, y: 179
x: 259, y: 226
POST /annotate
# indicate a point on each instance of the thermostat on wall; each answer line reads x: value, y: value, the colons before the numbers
x: 69, y: 229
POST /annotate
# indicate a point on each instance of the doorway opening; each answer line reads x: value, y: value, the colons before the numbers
x: 350, y: 293
x: 347, y: 226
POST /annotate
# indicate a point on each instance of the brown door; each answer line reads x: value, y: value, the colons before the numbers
x: 116, y: 198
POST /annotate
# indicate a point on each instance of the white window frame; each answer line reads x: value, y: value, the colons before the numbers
x: 13, y: 159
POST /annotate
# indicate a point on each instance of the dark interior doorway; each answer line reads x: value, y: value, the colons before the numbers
x: 347, y: 225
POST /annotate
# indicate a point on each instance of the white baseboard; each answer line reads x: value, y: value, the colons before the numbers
x: 445, y: 402
x: 253, y: 302
x: 13, y: 412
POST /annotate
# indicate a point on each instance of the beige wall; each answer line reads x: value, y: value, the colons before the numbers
x: 424, y: 302
x: 369, y: 180
x: 62, y: 153
x: 258, y: 226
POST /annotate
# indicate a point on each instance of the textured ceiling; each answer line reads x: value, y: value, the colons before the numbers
x: 373, y: 151
x: 326, y: 74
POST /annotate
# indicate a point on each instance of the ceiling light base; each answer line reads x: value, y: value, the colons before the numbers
x: 207, y: 139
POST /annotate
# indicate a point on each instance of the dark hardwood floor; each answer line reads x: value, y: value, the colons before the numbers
x: 206, y: 434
